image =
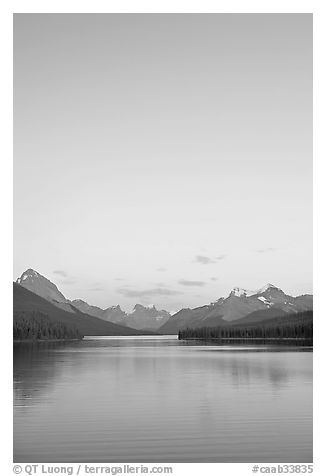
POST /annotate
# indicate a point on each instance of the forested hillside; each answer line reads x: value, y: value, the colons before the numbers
x: 37, y: 326
x: 293, y: 326
x: 27, y: 305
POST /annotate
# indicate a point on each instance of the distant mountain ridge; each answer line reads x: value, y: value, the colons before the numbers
x: 147, y: 317
x: 140, y: 318
x: 30, y: 306
x: 241, y: 304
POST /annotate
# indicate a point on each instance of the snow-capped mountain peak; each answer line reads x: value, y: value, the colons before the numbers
x: 264, y: 300
x: 239, y: 292
x: 40, y: 285
x: 29, y: 274
x: 266, y: 287
x: 264, y: 303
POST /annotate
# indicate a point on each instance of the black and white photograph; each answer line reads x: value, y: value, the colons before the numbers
x: 163, y: 239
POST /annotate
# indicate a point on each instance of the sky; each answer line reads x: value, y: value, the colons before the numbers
x: 163, y: 158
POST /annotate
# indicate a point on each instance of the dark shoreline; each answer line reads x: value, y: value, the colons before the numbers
x: 32, y: 341
x: 254, y: 340
x: 241, y: 338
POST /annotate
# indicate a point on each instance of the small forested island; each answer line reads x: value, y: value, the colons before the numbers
x: 37, y: 326
x: 294, y: 327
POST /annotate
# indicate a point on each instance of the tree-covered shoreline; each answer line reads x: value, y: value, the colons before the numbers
x: 37, y: 326
x: 293, y: 327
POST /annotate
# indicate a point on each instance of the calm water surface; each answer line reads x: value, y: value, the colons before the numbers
x: 155, y: 399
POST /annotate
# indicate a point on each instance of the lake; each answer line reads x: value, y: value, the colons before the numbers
x: 157, y: 399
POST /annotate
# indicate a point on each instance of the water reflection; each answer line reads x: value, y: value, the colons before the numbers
x: 158, y: 399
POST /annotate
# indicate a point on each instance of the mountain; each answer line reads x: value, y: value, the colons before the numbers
x: 87, y: 308
x: 241, y: 304
x: 112, y: 314
x: 274, y: 320
x: 28, y: 305
x: 261, y: 316
x: 38, y: 284
x: 115, y: 314
x: 140, y: 318
x: 147, y: 317
x: 268, y: 301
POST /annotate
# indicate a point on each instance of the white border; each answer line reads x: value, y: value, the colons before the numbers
x: 175, y: 6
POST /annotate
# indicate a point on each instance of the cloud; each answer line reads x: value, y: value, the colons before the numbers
x: 204, y: 259
x: 133, y: 293
x: 207, y: 260
x: 61, y: 273
x: 185, y: 282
